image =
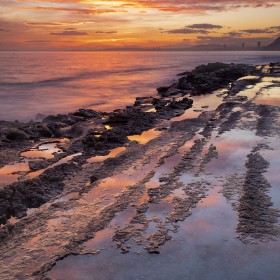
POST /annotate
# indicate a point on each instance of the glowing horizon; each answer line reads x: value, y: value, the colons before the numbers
x: 96, y: 25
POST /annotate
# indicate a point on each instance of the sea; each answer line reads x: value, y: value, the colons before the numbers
x: 36, y: 84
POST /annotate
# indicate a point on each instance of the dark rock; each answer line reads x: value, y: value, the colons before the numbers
x: 37, y: 165
x: 89, y: 140
x: 113, y: 137
x: 211, y: 67
x: 16, y: 198
x: 208, y: 78
x: 16, y: 135
x: 143, y: 100
x: 93, y: 179
x: 75, y: 131
x: 86, y: 113
x: 161, y: 90
x: 159, y: 103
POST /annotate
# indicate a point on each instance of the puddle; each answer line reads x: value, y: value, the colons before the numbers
x: 201, y: 103
x: 114, y: 153
x: 163, y: 170
x: 106, y: 191
x: 103, y: 238
x: 233, y: 147
x: 11, y: 173
x: 249, y: 78
x: 271, y: 79
x: 152, y: 110
x: 45, y: 151
x: 145, y: 137
x: 108, y: 127
x: 176, y: 193
x: 269, y: 96
x: 170, y: 163
x: 61, y: 161
x: 251, y: 92
x: 159, y: 210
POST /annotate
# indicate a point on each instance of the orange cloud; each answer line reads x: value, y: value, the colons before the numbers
x: 89, y: 11
x: 202, y: 5
x: 144, y: 23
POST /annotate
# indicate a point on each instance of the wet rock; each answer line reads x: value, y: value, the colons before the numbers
x: 174, y: 108
x: 143, y: 100
x: 86, y: 113
x: 208, y: 78
x: 38, y: 130
x: 119, y: 117
x: 113, y: 137
x: 211, y: 67
x: 159, y: 103
x: 40, y: 117
x: 184, y: 104
x: 184, y: 73
x: 93, y: 178
x: 257, y: 219
x: 16, y: 135
x: 16, y: 198
x: 37, y: 164
x: 169, y: 91
x: 63, y: 119
x: 89, y: 140
x: 75, y: 131
x: 162, y: 90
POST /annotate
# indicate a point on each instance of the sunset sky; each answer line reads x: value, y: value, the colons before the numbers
x: 91, y: 25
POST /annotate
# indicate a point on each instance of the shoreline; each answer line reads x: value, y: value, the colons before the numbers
x: 25, y: 134
x: 90, y: 146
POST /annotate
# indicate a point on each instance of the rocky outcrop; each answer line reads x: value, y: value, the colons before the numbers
x: 207, y: 78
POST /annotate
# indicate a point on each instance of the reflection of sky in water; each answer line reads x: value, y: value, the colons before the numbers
x: 6, y: 172
x: 272, y: 174
x: 212, y: 101
x: 112, y: 154
x: 43, y: 151
x: 10, y: 172
x: 103, y: 237
x: 204, y: 248
x: 269, y: 96
x: 205, y: 245
x: 233, y: 147
x: 145, y: 137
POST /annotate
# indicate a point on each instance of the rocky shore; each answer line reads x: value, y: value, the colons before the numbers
x: 85, y: 151
x: 87, y: 133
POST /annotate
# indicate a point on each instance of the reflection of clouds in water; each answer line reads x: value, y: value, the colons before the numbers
x: 232, y: 147
x: 145, y: 137
x: 269, y: 96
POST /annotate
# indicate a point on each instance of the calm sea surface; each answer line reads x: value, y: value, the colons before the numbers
x: 60, y: 82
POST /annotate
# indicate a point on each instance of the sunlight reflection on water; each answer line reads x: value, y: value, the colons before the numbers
x: 63, y: 82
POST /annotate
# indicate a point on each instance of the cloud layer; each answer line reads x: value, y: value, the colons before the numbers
x: 98, y: 24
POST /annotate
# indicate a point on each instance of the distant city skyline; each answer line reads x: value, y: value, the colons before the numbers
x: 137, y: 24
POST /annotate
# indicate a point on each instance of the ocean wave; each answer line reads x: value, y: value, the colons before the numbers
x: 83, y: 76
